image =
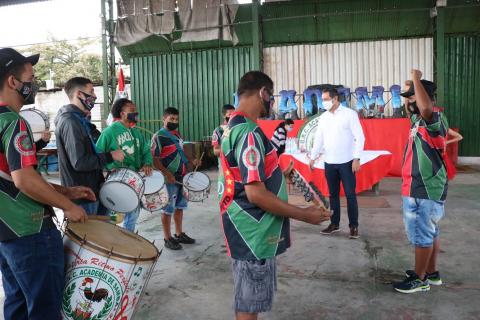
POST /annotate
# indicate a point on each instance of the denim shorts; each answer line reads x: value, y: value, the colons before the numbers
x: 176, y: 198
x: 421, y: 217
x: 255, y: 283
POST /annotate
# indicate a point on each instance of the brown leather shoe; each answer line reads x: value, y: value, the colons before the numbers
x: 332, y: 228
x: 354, y: 233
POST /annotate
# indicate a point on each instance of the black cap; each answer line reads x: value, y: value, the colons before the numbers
x: 10, y: 58
x: 429, y: 86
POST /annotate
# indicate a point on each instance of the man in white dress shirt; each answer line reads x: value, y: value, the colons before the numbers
x: 339, y: 138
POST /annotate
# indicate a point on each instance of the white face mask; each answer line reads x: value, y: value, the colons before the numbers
x: 327, y: 104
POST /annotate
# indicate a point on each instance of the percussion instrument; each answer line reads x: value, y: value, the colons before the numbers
x: 155, y: 201
x: 37, y: 120
x: 122, y: 191
x: 155, y: 196
x: 196, y: 186
x: 308, y: 189
x: 107, y: 270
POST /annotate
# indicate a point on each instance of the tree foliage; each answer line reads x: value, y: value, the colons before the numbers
x: 66, y: 59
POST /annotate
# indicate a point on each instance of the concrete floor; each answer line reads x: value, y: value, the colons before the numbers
x: 325, y: 277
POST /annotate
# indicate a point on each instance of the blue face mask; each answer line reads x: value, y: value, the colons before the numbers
x: 289, y: 129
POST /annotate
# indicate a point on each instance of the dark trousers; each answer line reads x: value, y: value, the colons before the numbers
x: 33, y: 276
x: 334, y: 174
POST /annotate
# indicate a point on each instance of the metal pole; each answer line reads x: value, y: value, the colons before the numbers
x: 111, y: 44
x: 440, y: 55
x: 104, y: 112
x: 256, y: 47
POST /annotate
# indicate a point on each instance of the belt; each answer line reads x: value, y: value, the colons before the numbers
x: 48, y: 223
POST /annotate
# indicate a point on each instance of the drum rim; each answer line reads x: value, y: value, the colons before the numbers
x: 138, y: 198
x: 106, y: 253
x: 146, y: 177
x: 42, y: 114
x: 209, y: 182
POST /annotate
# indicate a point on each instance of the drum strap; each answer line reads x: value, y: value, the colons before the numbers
x: 229, y: 190
x: 177, y: 145
x: 86, y: 126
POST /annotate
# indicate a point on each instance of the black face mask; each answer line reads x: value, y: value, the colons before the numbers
x: 413, y: 108
x: 132, y: 117
x: 172, y: 126
x: 227, y: 119
x: 266, y: 106
x: 28, y: 92
x: 89, y: 101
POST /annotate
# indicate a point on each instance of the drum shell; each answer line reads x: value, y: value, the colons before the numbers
x: 122, y: 278
x: 130, y: 183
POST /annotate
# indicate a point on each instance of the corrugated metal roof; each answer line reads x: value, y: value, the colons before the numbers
x: 352, y: 64
x: 328, y: 21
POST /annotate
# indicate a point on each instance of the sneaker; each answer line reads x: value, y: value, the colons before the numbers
x: 183, y: 238
x: 412, y: 284
x: 332, y: 228
x: 354, y: 233
x: 172, y: 244
x: 432, y: 278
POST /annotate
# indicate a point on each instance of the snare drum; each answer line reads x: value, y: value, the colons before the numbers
x: 122, y: 191
x: 107, y: 270
x: 155, y: 201
x: 37, y: 120
x: 196, y: 186
x: 154, y: 183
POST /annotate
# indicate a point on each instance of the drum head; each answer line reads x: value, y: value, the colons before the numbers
x: 119, y: 197
x: 154, y: 182
x: 196, y: 181
x: 37, y: 120
x: 107, y: 237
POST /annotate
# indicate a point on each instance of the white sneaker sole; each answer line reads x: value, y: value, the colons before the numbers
x: 413, y: 290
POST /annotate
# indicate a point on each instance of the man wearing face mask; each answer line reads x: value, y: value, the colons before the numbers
x: 31, y: 248
x: 425, y: 183
x: 280, y: 135
x: 339, y: 137
x: 123, y: 135
x: 253, y: 204
x: 79, y: 162
x: 168, y: 157
x: 227, y: 110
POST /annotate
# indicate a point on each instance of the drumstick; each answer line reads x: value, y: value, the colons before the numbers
x: 199, y: 160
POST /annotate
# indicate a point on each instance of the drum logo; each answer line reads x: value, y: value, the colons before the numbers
x: 306, y: 135
x: 90, y: 294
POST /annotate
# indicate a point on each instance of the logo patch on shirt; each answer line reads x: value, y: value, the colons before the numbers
x: 23, y: 144
x: 251, y: 158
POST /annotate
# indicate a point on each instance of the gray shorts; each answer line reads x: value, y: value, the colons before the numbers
x: 255, y: 283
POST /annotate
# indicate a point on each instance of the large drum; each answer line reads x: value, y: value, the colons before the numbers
x: 155, y: 196
x: 196, y: 186
x: 37, y: 120
x: 107, y: 271
x: 122, y: 191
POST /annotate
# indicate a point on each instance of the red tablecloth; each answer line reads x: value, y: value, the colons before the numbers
x: 370, y: 173
x: 380, y: 134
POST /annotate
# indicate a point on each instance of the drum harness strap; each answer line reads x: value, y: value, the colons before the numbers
x: 177, y: 145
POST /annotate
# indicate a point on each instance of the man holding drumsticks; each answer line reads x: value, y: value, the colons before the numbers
x: 168, y: 157
x: 123, y: 135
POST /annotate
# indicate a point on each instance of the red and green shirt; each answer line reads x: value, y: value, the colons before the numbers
x: 424, y: 173
x: 247, y: 156
x: 20, y: 215
x: 164, y: 147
